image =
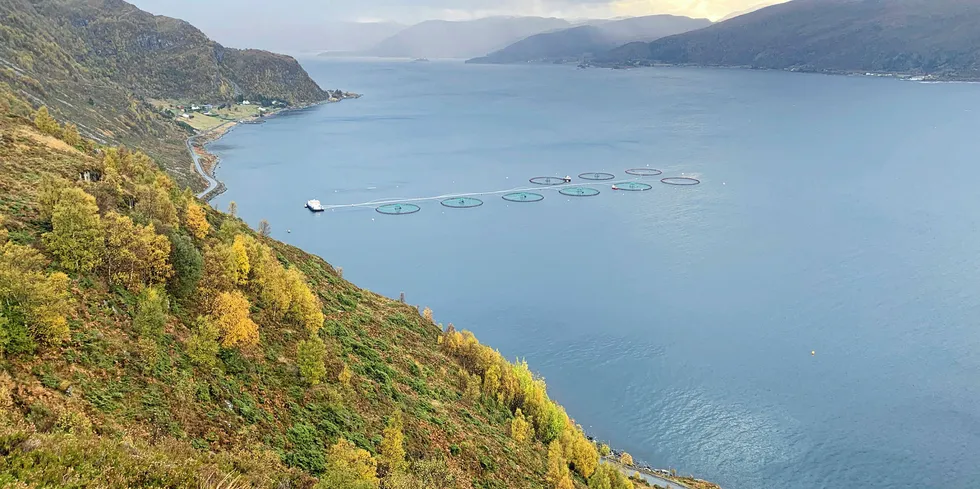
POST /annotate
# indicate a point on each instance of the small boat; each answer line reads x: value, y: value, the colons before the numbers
x: 314, y: 205
x: 614, y: 187
x: 567, y: 179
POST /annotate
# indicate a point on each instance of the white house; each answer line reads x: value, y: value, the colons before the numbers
x: 246, y: 102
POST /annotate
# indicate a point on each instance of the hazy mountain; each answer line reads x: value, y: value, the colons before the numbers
x: 303, y: 36
x: 462, y: 39
x: 575, y: 42
x: 899, y: 36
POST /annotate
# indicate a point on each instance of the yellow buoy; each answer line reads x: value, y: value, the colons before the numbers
x: 813, y: 352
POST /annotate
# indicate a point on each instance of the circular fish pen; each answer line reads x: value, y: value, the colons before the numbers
x: 579, y: 192
x: 632, y: 186
x: 597, y: 176
x: 548, y: 180
x: 680, y: 181
x: 462, y: 202
x: 398, y: 209
x: 644, y: 172
x: 523, y: 197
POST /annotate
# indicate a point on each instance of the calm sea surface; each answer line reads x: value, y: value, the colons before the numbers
x: 839, y: 215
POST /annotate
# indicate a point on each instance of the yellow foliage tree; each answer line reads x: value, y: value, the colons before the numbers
x: 196, y: 220
x: 153, y: 201
x: 491, y: 381
x: 230, y: 315
x: 557, y: 474
x: 625, y: 459
x: 135, y: 255
x: 45, y: 123
x: 349, y: 467
x: 34, y: 302
x: 427, y: 314
x: 76, y: 237
x: 345, y: 376
x: 392, y: 450
x: 304, y: 307
x: 220, y: 272
x: 242, y: 266
x: 579, y: 451
x: 520, y: 428
x: 310, y: 359
x: 70, y: 135
x: 608, y: 477
x: 49, y: 191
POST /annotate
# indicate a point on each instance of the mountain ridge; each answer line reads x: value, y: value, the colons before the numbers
x: 574, y: 43
x: 912, y: 37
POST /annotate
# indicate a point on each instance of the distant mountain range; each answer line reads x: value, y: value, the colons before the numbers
x: 936, y: 37
x: 462, y: 39
x: 310, y: 36
x: 587, y: 40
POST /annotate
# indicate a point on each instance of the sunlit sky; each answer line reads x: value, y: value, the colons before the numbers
x: 410, y: 11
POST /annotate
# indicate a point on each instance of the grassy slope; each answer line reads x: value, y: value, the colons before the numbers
x: 164, y: 421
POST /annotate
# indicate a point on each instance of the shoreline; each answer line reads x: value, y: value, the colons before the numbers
x: 205, y: 163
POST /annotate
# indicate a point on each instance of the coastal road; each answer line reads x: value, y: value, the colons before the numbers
x: 212, y: 183
x: 652, y: 479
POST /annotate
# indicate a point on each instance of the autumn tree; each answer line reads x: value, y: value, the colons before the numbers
x: 135, y: 255
x: 230, y: 314
x: 265, y: 229
x: 427, y: 314
x: 45, y: 123
x: 196, y: 220
x: 625, y: 459
x: 242, y: 266
x: 392, y: 451
x: 202, y: 346
x: 349, y: 467
x: 33, y: 303
x: 604, y: 450
x: 220, y: 272
x: 521, y: 429
x: 345, y: 376
x: 557, y: 474
x: 153, y: 202
x: 151, y: 312
x: 304, y: 307
x: 580, y: 453
x: 232, y: 209
x: 607, y: 476
x: 310, y: 355
x: 76, y: 238
x: 71, y: 137
x: 49, y: 192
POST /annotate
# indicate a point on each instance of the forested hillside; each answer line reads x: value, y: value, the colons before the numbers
x: 98, y: 62
x: 924, y: 37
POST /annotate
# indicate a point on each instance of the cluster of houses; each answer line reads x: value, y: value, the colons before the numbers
x: 188, y: 111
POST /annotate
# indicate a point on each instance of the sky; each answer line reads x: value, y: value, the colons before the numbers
x: 202, y: 12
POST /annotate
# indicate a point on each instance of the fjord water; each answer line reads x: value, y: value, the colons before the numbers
x: 837, y: 215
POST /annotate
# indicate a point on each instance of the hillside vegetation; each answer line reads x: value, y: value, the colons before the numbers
x: 97, y: 62
x: 582, y: 42
x: 924, y: 37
